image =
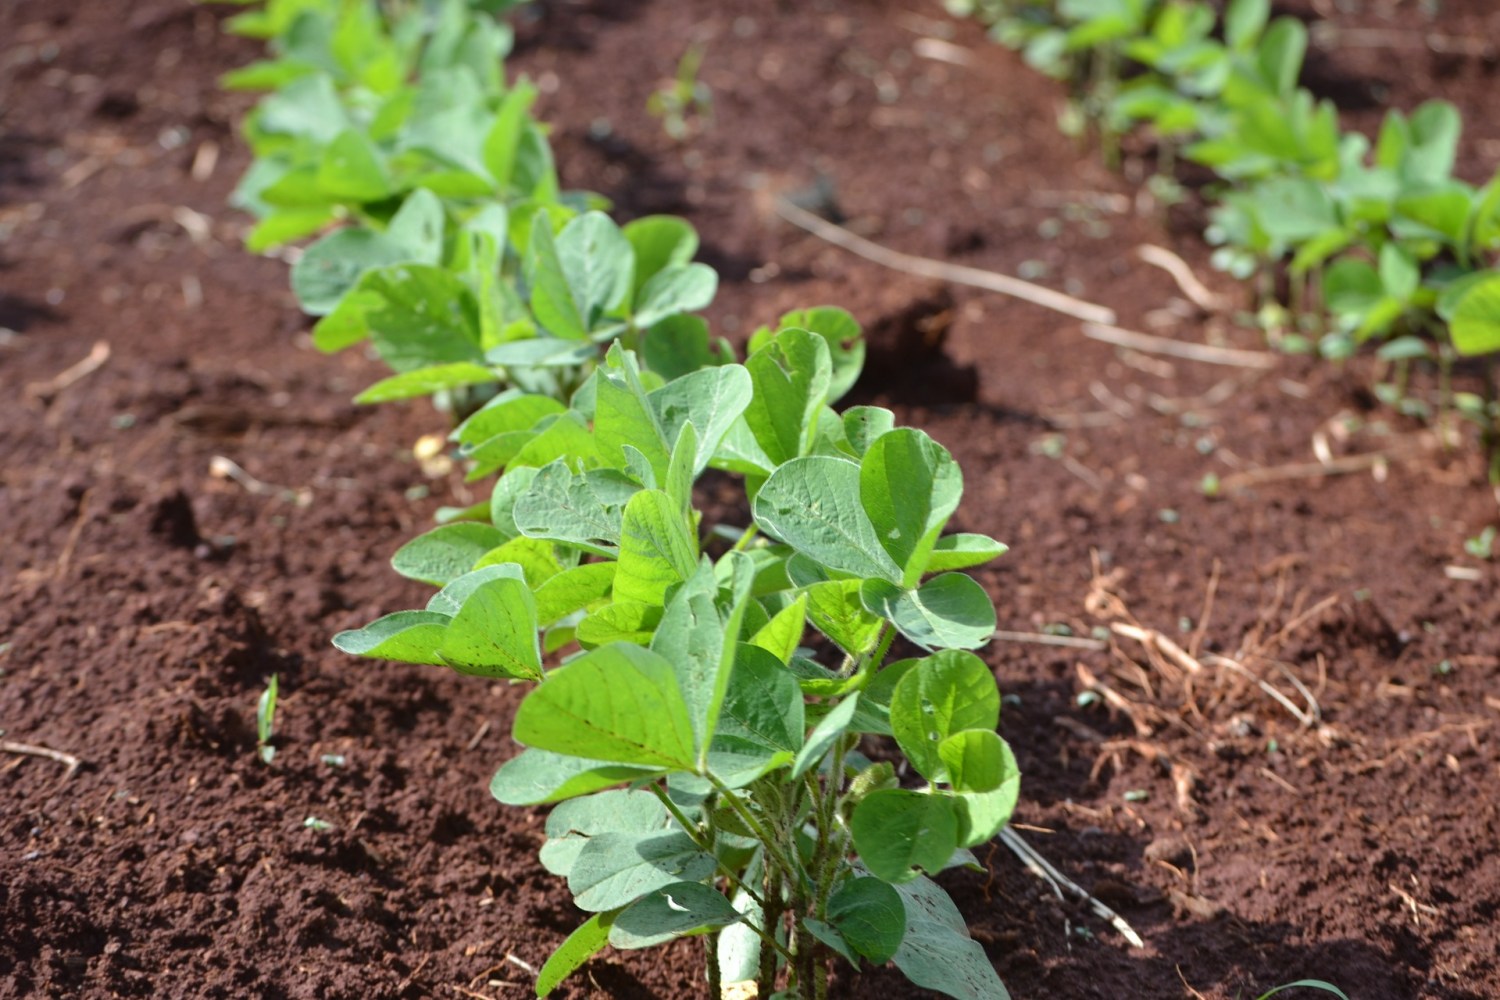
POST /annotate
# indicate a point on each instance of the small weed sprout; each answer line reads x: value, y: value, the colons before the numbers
x: 265, y: 721
x: 685, y: 104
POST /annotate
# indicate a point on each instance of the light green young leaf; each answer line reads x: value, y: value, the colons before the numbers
x: 451, y: 598
x: 598, y: 264
x: 616, y: 869
x: 836, y: 610
x: 634, y: 622
x: 783, y: 633
x: 897, y: 831
x: 791, y: 376
x: 813, y: 505
x: 502, y: 142
x: 978, y: 757
x: 573, y: 590
x: 583, y: 944
x: 937, y: 952
x: 869, y: 915
x: 352, y: 169
x: 657, y: 548
x: 1475, y: 326
x: 426, y: 382
x: 963, y: 550
x: 407, y: 636
x: 552, y: 299
x: 672, y: 911
x: 618, y: 703
x: 623, y: 417
x: 762, y: 715
x: 494, y: 634
x: 537, y: 777
x: 909, y: 486
x: 950, y: 610
x: 943, y: 694
x: 446, y: 553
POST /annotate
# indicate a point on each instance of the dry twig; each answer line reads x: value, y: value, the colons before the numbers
x: 1152, y: 344
x: 1195, y: 290
x: 925, y: 267
x: 30, y: 750
x: 1043, y: 869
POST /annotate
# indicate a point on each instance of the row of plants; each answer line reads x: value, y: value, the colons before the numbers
x: 714, y: 699
x: 1361, y: 241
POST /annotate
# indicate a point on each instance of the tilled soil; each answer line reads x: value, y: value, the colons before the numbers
x: 1343, y: 828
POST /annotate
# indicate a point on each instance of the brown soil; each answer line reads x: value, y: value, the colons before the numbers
x: 144, y: 601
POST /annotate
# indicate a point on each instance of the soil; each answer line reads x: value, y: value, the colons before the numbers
x: 146, y: 596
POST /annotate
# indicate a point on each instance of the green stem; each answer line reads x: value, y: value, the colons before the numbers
x: 746, y: 538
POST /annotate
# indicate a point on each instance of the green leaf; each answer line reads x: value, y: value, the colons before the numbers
x: 762, y: 717
x: 783, y: 633
x: 950, y: 610
x: 830, y: 936
x: 571, y: 824
x: 657, y: 548
x: 327, y: 270
x: 552, y: 299
x: 681, y: 288
x: 536, y: 777
x: 616, y: 869
x: 672, y: 911
x: 791, y: 376
x: 427, y: 382
x: 417, y: 315
x: 680, y: 345
x: 870, y: 916
x: 445, y: 553
x: 976, y: 758
x: 963, y: 550
x: 565, y: 507
x: 845, y: 340
x: 896, y: 831
x: 634, y: 622
x: 502, y: 142
x: 659, y: 242
x: 598, y: 264
x: 1244, y: 20
x: 937, y: 952
x: 813, y: 505
x: 624, y: 417
x: 824, y: 735
x: 691, y: 638
x: 494, y: 634
x: 1475, y: 326
x: 583, y: 944
x: 407, y: 636
x: 1399, y: 274
x: 909, y: 486
x: 573, y: 590
x: 351, y: 169
x: 864, y: 425
x: 836, y: 610
x: 618, y: 703
x: 943, y: 694
x: 711, y: 399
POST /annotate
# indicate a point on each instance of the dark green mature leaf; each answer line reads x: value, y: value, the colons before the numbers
x: 863, y: 426
x: 909, y: 486
x: 583, y: 944
x: 896, y: 831
x: 791, y: 375
x: 680, y: 345
x: 407, y: 636
x: 937, y: 952
x: 943, y: 694
x: 813, y: 505
x: 618, y: 703
x: 536, y: 777
x: 672, y: 911
x: 947, y: 611
x: 446, y: 553
x: 830, y: 936
x: 616, y: 869
x: 572, y: 824
x: 566, y: 507
x: 762, y: 715
x: 870, y: 916
x: 657, y: 548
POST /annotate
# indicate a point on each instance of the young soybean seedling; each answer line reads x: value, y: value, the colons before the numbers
x: 265, y: 721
